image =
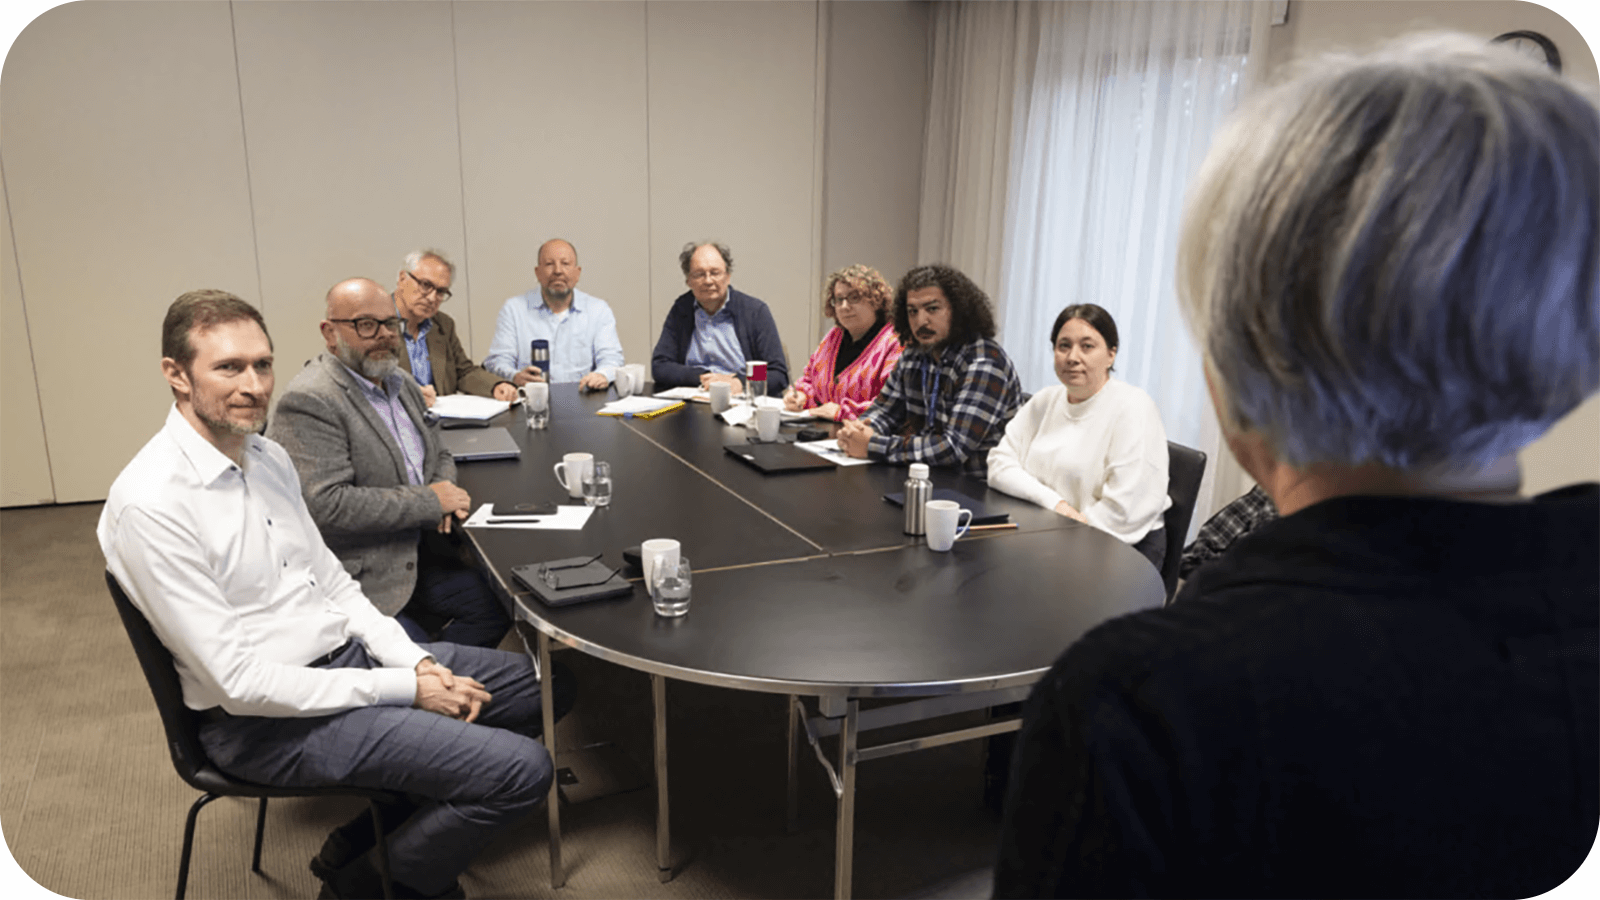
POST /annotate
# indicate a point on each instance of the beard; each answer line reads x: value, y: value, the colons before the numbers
x: 371, y: 365
x: 557, y: 294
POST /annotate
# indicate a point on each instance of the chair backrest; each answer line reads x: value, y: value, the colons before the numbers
x: 181, y: 724
x: 1185, y: 467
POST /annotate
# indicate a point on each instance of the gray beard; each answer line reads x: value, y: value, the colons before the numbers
x: 375, y: 369
x: 557, y: 296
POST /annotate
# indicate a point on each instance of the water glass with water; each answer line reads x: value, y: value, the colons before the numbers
x: 671, y: 592
x: 597, y: 485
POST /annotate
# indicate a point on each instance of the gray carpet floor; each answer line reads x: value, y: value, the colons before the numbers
x: 90, y: 806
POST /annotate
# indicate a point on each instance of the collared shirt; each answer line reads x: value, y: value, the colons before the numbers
x: 950, y: 411
x: 714, y: 346
x: 417, y: 349
x: 1230, y: 523
x: 225, y: 562
x: 386, y: 402
x: 584, y: 341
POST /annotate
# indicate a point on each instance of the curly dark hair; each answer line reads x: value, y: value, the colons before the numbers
x: 971, y: 317
x: 873, y: 286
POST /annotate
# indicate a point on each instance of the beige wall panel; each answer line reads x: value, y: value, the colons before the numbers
x: 24, y: 462
x: 350, y: 121
x: 1568, y: 453
x: 733, y: 133
x: 877, y: 107
x: 554, y: 143
x: 126, y: 178
x: 1316, y: 26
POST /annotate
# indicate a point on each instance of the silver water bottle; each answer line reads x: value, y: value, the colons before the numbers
x: 918, y: 491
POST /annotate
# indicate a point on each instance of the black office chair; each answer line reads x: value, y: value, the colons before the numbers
x: 189, y: 758
x: 1185, y: 468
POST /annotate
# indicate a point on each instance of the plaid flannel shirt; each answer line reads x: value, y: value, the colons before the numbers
x: 978, y: 393
x: 1230, y: 523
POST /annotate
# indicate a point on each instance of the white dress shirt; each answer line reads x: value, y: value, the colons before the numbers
x: 233, y: 575
x: 1106, y: 456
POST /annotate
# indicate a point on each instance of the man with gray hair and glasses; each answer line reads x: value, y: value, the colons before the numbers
x: 1390, y: 265
x: 434, y: 355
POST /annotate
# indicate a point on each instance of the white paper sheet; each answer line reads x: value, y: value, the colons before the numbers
x: 698, y: 395
x: 635, y: 405
x: 829, y: 450
x: 467, y: 406
x: 566, y: 518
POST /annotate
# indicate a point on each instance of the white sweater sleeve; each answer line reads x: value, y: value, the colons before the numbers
x: 1006, y: 473
x: 1134, y: 494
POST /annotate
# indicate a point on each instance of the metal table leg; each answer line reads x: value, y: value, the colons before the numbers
x: 845, y: 830
x: 793, y: 820
x: 547, y: 698
x: 658, y: 689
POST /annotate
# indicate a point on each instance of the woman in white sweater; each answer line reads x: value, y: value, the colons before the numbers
x: 1093, y: 448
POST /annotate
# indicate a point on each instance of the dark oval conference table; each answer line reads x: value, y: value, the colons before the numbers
x: 804, y: 584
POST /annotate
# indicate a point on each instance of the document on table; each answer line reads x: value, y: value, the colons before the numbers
x: 829, y: 450
x: 698, y: 395
x: 644, y: 407
x: 467, y: 406
x: 566, y: 518
x: 743, y: 413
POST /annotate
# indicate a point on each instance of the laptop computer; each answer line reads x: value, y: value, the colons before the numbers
x: 475, y: 444
x: 775, y: 458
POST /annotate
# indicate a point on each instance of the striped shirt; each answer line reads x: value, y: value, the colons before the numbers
x: 417, y: 350
x: 386, y: 402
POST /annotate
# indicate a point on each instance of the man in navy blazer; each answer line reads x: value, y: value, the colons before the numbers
x: 712, y: 330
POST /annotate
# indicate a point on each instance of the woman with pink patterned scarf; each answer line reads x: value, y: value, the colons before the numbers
x: 856, y: 356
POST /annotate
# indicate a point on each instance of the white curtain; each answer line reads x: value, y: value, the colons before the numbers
x: 1112, y: 106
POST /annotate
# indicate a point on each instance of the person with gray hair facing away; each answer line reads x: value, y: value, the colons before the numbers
x: 1391, y: 264
x: 713, y: 329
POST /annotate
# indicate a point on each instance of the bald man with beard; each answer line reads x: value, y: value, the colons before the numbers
x: 379, y: 483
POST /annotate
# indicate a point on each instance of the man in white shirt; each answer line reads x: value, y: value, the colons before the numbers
x: 580, y: 328
x: 297, y: 679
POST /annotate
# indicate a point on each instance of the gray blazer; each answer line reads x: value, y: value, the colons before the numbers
x: 354, y: 476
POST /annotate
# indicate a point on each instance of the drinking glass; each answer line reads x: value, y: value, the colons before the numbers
x: 597, y: 484
x: 671, y: 592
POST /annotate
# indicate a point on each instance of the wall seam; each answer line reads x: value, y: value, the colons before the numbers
x: 461, y: 168
x: 649, y: 195
x: 27, y: 334
x: 244, y: 142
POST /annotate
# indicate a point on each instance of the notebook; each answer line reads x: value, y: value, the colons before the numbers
x: 981, y: 515
x: 484, y: 443
x: 775, y: 458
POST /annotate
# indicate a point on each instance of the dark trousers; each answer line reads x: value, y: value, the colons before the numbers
x: 470, y: 781
x: 452, y: 602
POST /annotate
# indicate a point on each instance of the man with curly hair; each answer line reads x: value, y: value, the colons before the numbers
x: 953, y: 392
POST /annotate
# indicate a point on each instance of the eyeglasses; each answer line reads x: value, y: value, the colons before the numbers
x: 428, y: 287
x: 850, y: 299
x: 367, y: 327
x: 706, y: 274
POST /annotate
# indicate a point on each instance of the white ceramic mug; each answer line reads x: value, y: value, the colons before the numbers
x: 636, y: 370
x: 721, y: 396
x: 767, y: 420
x: 624, y: 382
x: 944, y: 523
x: 572, y: 470
x: 657, y: 552
x: 536, y: 394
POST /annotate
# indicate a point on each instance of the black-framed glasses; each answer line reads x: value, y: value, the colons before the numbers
x: 851, y: 299
x: 367, y: 327
x: 429, y: 287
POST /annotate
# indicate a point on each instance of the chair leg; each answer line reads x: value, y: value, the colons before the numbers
x: 381, y: 845
x: 188, y: 842
x: 261, y: 827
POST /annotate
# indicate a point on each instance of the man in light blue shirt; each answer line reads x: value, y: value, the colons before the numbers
x: 580, y: 327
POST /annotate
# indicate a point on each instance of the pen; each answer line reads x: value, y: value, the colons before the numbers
x: 1000, y: 527
x: 497, y: 520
